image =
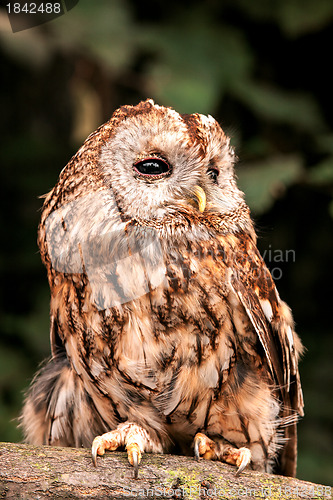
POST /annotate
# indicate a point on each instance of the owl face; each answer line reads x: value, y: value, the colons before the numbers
x: 157, y: 160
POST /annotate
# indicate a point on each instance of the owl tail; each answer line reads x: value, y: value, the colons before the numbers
x: 58, y: 410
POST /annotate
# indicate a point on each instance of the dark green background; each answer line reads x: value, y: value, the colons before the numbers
x: 263, y: 69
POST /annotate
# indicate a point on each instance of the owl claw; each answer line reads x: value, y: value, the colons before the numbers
x: 136, y: 464
x: 203, y: 446
x: 134, y: 457
x: 210, y: 450
x: 133, y: 453
x: 94, y: 454
x: 97, y: 448
x: 127, y: 435
x: 197, y: 442
x: 101, y: 443
x: 244, y: 460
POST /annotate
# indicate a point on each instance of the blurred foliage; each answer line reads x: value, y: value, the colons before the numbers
x: 262, y: 69
x: 265, y: 180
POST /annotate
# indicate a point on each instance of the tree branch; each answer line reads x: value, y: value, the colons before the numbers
x: 31, y: 472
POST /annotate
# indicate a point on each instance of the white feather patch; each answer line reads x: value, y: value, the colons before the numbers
x: 267, y: 309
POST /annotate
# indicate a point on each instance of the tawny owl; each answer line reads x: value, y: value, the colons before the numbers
x: 167, y: 331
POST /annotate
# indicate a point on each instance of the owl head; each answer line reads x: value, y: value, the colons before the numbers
x: 156, y: 160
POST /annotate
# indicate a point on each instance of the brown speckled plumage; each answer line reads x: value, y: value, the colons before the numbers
x: 162, y: 315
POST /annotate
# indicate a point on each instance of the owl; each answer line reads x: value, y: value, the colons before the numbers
x: 167, y: 332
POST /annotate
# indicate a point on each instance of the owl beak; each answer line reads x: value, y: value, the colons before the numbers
x: 200, y: 197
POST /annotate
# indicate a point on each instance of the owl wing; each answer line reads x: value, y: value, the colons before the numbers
x: 271, y: 319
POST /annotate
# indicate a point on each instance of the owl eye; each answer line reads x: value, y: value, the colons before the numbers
x: 213, y: 174
x: 152, y: 167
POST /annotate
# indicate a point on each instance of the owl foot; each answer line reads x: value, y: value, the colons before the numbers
x: 133, y: 437
x: 221, y: 450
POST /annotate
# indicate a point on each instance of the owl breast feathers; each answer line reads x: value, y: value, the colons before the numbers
x: 166, y: 326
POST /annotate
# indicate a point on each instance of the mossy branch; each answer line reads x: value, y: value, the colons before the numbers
x: 31, y: 472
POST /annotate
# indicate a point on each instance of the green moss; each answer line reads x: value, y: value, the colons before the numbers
x: 44, y: 467
x: 187, y: 482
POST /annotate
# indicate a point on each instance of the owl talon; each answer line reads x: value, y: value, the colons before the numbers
x: 134, y: 457
x: 221, y: 450
x: 203, y: 446
x: 241, y: 457
x: 94, y: 454
x: 196, y: 450
x: 108, y: 441
x: 136, y: 464
x: 244, y: 460
x: 98, y: 448
x: 129, y: 435
x: 197, y: 443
